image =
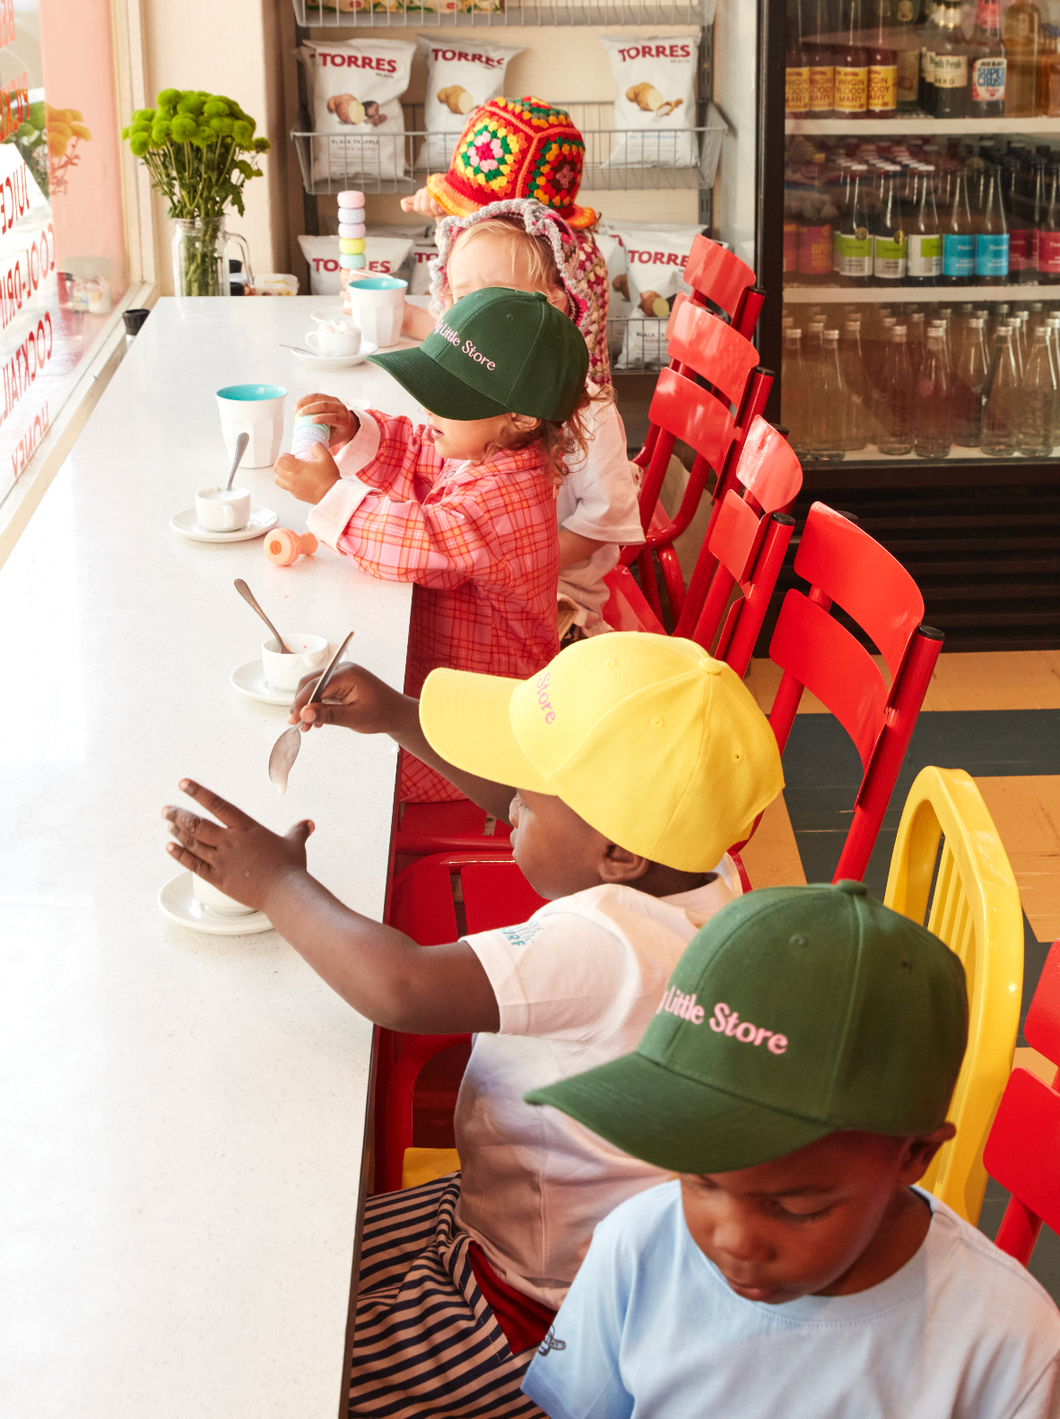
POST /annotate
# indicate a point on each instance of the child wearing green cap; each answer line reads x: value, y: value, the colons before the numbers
x: 626, y: 768
x: 464, y: 506
x: 796, y: 1074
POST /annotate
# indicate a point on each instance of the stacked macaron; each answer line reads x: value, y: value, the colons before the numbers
x: 351, y: 231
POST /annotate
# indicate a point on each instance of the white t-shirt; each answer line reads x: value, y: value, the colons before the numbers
x: 598, y: 499
x: 576, y: 986
x: 651, y: 1328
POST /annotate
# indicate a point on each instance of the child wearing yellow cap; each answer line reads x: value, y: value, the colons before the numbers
x: 627, y: 767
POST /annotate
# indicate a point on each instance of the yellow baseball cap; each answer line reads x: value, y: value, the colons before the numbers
x: 649, y: 739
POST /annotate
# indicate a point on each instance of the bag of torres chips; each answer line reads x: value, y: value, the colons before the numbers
x: 354, y: 89
x: 656, y: 81
x: 462, y: 75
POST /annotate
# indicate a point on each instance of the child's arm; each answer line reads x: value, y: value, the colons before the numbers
x: 379, y: 971
x: 575, y: 548
x: 416, y: 323
x: 358, y: 700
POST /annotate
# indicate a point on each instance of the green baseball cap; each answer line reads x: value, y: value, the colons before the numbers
x: 793, y: 1013
x: 496, y: 352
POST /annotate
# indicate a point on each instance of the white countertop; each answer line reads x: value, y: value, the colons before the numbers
x: 182, y: 1114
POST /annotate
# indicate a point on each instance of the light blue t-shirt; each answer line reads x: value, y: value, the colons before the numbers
x: 650, y: 1330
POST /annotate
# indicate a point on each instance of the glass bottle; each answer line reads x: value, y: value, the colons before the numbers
x: 896, y: 397
x: 931, y: 407
x: 889, y: 245
x: 950, y: 65
x: 916, y: 340
x: 1035, y: 212
x: 924, y: 256
x: 829, y: 389
x: 986, y: 96
x: 1049, y: 233
x: 1001, y: 407
x: 882, y: 97
x: 796, y: 67
x: 815, y: 228
x: 1049, y: 94
x: 907, y: 73
x: 855, y: 243
x: 958, y: 236
x: 852, y: 70
x: 931, y: 33
x: 795, y: 393
x: 1037, y: 401
x: 821, y: 58
x: 969, y: 381
x: 1022, y: 37
x: 858, y: 429
x: 991, y: 239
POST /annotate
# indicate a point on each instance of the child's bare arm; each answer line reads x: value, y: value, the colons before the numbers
x: 417, y: 323
x: 424, y: 204
x: 379, y: 971
x: 359, y: 700
x: 325, y: 409
x: 573, y: 547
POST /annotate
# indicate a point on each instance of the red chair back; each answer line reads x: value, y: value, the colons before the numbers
x: 1023, y: 1148
x: 494, y: 893
x: 845, y: 565
x: 721, y: 278
x: 704, y: 345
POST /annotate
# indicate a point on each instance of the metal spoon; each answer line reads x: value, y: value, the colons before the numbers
x: 241, y: 448
x: 285, y: 750
x: 251, y: 600
x: 300, y: 350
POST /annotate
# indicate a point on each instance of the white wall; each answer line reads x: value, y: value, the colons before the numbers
x: 736, y: 94
x: 231, y: 48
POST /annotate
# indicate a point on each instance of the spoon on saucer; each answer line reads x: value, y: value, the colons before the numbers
x: 300, y: 350
x: 251, y: 600
x: 241, y: 448
x: 285, y: 750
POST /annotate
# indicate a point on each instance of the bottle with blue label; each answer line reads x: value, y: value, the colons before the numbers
x: 986, y: 97
x: 991, y: 238
x: 958, y: 237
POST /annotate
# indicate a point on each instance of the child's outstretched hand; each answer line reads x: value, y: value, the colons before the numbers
x: 324, y: 409
x: 310, y: 478
x: 240, y: 857
x: 356, y: 699
x: 422, y: 203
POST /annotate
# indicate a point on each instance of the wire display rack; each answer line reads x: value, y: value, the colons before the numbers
x: 381, y: 162
x: 364, y: 14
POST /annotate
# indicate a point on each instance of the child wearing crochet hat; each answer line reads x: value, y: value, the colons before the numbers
x: 796, y: 1075
x: 511, y: 229
x: 626, y: 768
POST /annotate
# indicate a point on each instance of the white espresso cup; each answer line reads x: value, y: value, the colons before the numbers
x: 377, y: 304
x: 216, y: 901
x: 257, y: 411
x: 283, y: 672
x: 222, y: 509
x: 335, y: 339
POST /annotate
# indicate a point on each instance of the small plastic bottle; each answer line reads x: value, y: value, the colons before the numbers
x: 308, y: 432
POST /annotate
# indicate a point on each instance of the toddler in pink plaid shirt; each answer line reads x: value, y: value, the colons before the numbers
x: 463, y: 506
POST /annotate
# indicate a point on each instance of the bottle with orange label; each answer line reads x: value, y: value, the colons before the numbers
x: 852, y: 69
x: 882, y: 93
x: 796, y: 67
x: 818, y: 43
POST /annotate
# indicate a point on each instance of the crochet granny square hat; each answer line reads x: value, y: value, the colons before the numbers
x: 515, y: 148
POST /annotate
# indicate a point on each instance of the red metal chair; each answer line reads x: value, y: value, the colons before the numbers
x: 721, y: 281
x: 424, y: 905
x: 744, y: 547
x: 1023, y: 1147
x: 845, y: 566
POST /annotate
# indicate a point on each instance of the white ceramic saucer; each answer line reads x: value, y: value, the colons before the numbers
x: 261, y: 520
x: 330, y: 364
x: 178, y: 901
x: 250, y: 680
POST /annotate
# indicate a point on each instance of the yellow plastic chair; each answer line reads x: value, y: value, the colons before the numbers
x: 972, y: 903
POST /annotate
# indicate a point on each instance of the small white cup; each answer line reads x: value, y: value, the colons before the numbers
x: 377, y: 304
x: 216, y: 901
x: 256, y: 410
x: 335, y: 339
x: 222, y: 510
x: 283, y: 672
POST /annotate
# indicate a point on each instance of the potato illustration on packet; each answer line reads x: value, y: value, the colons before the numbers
x: 456, y: 99
x: 348, y: 109
x: 651, y: 303
x: 648, y: 98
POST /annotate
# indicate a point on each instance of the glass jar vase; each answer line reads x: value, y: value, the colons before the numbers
x: 200, y: 258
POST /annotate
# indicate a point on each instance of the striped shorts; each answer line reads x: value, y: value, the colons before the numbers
x: 426, y: 1342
